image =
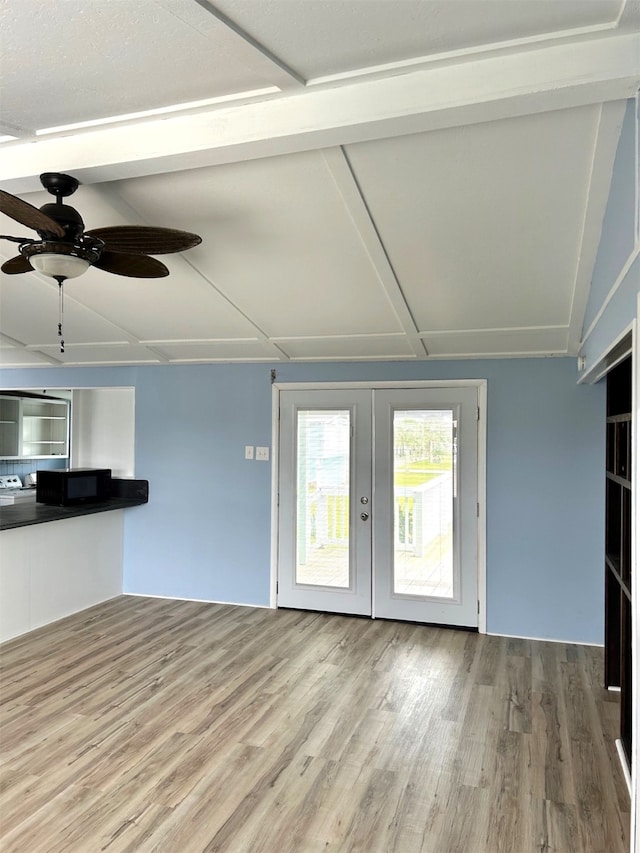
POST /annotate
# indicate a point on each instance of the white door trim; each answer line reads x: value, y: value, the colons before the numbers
x: 635, y: 600
x: 480, y: 384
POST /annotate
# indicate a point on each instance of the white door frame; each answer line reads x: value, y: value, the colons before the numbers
x: 635, y: 592
x: 479, y: 384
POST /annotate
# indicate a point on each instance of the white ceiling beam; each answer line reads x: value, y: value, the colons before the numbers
x: 7, y: 129
x: 401, y: 66
x: 557, y: 76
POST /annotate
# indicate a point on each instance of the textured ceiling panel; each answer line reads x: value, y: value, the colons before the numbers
x: 322, y: 37
x: 73, y: 61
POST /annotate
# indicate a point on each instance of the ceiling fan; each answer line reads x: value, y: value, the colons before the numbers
x: 63, y: 249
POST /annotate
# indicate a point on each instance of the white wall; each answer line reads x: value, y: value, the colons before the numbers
x: 103, y: 430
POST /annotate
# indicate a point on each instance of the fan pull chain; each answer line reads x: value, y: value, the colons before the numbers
x: 60, y: 279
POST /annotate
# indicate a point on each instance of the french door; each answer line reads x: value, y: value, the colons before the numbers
x: 378, y: 496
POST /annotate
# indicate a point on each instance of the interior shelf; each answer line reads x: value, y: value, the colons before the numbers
x: 33, y: 427
x: 618, y: 567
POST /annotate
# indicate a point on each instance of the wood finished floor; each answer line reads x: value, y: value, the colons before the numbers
x: 150, y: 725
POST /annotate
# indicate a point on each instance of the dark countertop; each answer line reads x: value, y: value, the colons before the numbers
x: 125, y: 493
x: 24, y: 514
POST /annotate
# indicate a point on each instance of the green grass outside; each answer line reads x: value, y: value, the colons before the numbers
x: 419, y: 473
x: 424, y: 465
x: 414, y: 478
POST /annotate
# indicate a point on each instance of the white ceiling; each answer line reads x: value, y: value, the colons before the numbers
x: 372, y: 179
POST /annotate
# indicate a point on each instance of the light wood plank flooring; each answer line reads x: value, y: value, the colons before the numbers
x: 150, y: 725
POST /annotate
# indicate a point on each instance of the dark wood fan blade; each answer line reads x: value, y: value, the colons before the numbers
x: 135, y: 266
x: 27, y: 214
x: 16, y: 265
x: 143, y: 240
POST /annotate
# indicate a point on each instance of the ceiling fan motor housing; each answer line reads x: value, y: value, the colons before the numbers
x: 66, y: 216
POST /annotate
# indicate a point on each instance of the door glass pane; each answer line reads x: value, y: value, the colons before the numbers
x: 424, y: 464
x: 322, y: 505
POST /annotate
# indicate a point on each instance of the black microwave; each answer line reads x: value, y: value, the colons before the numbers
x: 70, y: 486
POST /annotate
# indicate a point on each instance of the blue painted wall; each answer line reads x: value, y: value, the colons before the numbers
x: 619, y: 248
x: 206, y: 531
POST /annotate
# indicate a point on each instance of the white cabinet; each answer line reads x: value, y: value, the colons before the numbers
x: 9, y: 427
x: 45, y: 428
x: 33, y: 427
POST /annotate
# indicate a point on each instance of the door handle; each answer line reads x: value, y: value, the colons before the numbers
x: 364, y: 516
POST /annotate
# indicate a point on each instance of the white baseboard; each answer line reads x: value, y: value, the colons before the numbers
x: 623, y: 763
x: 545, y: 640
x: 199, y: 600
x: 268, y: 607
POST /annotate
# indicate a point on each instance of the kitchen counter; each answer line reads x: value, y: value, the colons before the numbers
x: 49, y: 571
x: 127, y: 493
x: 24, y: 514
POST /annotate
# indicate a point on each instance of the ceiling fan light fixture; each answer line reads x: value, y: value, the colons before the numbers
x: 59, y: 266
x: 59, y: 259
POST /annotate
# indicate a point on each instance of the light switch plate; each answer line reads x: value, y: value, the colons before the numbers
x: 248, y: 451
x: 262, y: 454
